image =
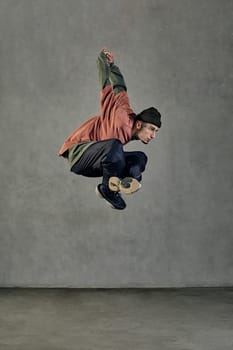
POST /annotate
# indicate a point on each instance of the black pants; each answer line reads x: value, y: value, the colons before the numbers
x: 107, y: 158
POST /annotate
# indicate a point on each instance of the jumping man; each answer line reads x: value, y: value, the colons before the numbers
x: 95, y: 149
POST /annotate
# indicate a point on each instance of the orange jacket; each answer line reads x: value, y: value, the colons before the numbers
x: 115, y: 121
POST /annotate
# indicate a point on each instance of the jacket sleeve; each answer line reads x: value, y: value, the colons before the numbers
x: 117, y: 79
x: 103, y: 70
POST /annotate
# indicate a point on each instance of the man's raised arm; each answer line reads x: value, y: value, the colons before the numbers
x: 103, y: 69
x: 116, y: 77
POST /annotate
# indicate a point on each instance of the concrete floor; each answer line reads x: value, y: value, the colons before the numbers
x: 67, y: 319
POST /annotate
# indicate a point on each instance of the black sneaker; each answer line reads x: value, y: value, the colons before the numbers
x: 113, y: 198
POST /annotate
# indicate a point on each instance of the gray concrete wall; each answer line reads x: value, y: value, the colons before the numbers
x: 177, y: 231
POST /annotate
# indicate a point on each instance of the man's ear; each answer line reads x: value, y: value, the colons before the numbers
x: 138, y: 125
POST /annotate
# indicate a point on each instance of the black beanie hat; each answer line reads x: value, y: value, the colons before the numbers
x: 150, y: 115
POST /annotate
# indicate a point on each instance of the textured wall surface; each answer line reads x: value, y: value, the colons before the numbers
x: 175, y: 55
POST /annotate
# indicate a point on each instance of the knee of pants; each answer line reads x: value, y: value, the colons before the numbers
x: 116, y: 153
x: 142, y: 159
x: 115, y: 143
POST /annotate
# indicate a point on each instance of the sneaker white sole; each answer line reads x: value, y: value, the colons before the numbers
x: 127, y: 185
x: 100, y: 196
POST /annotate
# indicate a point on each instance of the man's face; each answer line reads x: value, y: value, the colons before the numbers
x: 146, y: 131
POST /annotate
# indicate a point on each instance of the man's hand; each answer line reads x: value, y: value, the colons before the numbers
x: 109, y: 55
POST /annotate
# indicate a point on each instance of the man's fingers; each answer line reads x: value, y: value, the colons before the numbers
x: 109, y: 55
x: 107, y: 52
